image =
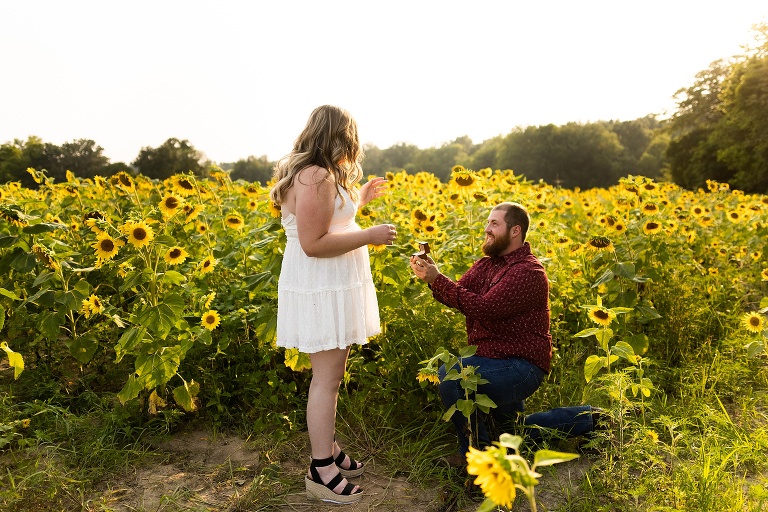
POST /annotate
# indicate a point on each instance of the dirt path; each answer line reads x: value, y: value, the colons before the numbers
x: 198, y: 472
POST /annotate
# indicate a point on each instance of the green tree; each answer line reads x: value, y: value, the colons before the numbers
x: 253, y: 169
x: 742, y: 133
x: 440, y: 161
x: 173, y: 156
x: 83, y: 157
x: 692, y: 154
x: 720, y: 129
x: 18, y: 156
x: 485, y: 155
x: 572, y: 155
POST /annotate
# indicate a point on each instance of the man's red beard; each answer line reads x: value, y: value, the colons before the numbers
x: 495, y: 245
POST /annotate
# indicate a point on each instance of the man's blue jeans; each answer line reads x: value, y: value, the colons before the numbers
x: 511, y: 381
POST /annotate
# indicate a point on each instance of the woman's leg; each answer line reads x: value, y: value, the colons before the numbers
x: 327, y: 371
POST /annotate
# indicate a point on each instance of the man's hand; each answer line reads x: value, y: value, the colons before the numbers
x: 426, y: 270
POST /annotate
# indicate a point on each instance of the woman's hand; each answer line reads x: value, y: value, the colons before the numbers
x: 373, y: 189
x: 382, y: 234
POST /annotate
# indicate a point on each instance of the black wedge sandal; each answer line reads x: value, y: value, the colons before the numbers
x: 317, y: 490
x: 355, y: 468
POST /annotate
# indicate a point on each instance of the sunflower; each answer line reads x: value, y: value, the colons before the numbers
x: 601, y: 316
x: 251, y: 190
x: 207, y: 264
x: 428, y: 375
x: 13, y: 215
x: 234, y: 221
x: 122, y: 180
x: 651, y: 227
x: 734, y: 216
x: 210, y: 319
x: 600, y: 243
x: 139, y: 233
x: 562, y: 241
x: 252, y: 205
x: 274, y: 209
x: 619, y: 227
x: 463, y: 178
x: 495, y: 482
x: 170, y: 204
x: 202, y: 228
x: 764, y: 274
x: 576, y: 248
x: 175, y: 255
x: 191, y: 211
x: 124, y: 268
x: 183, y: 185
x: 45, y: 256
x: 698, y: 211
x: 106, y: 246
x: 650, y: 208
x: 753, y: 322
x: 365, y: 212
x: 91, y: 306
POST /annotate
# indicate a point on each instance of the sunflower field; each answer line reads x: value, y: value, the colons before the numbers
x: 161, y: 296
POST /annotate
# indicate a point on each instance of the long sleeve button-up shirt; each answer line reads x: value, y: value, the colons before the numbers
x: 505, y: 300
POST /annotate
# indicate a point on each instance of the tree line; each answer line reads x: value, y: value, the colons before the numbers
x: 719, y: 131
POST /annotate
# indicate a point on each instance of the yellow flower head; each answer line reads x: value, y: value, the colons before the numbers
x: 124, y: 268
x: 209, y: 300
x: 650, y: 208
x: 274, y: 210
x: 600, y: 243
x: 139, y: 233
x: 252, y: 205
x: 252, y: 190
x: 495, y: 482
x: 207, y: 264
x: 764, y: 274
x: 651, y: 227
x: 601, y: 315
x: 45, y: 256
x: 91, y: 306
x: 234, y: 221
x: 170, y: 204
x: 175, y: 255
x: 191, y: 211
x: 202, y: 228
x: 753, y: 322
x: 428, y: 375
x: 106, y: 246
x: 698, y: 211
x: 563, y: 241
x: 734, y: 216
x: 122, y: 180
x: 462, y: 178
x: 210, y: 319
x: 183, y: 185
x: 13, y: 215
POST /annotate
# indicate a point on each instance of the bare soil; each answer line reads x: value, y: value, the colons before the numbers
x: 196, y: 471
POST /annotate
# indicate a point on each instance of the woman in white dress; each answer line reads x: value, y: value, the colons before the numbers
x: 326, y: 297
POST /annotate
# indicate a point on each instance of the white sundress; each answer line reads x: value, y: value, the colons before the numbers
x: 326, y: 303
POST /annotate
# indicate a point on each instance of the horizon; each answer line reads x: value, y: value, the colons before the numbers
x: 240, y: 79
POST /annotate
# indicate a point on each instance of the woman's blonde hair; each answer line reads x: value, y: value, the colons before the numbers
x: 329, y: 141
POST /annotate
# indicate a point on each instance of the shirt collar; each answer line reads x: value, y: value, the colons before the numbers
x: 518, y: 254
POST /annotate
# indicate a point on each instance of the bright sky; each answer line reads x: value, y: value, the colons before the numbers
x: 239, y: 78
